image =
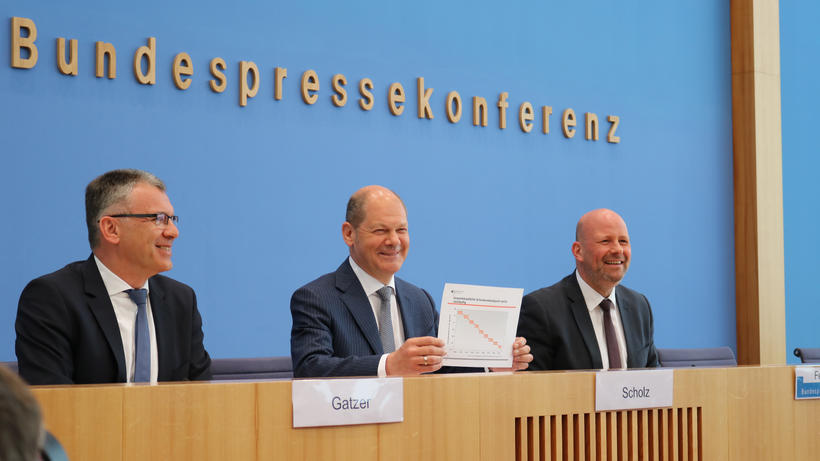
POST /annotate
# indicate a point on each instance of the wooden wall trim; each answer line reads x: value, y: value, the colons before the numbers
x: 758, y: 182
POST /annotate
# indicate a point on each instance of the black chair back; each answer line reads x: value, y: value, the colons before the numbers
x: 252, y: 368
x: 705, y: 357
x: 808, y: 355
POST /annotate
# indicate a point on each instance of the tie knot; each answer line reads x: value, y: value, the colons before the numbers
x: 138, y: 295
x: 385, y: 292
x: 606, y: 304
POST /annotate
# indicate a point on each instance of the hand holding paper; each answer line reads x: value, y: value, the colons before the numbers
x: 521, y: 356
x: 416, y: 356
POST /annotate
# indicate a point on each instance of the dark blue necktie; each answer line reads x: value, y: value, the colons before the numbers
x: 142, y: 342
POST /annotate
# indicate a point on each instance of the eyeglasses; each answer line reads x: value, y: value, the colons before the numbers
x: 160, y: 219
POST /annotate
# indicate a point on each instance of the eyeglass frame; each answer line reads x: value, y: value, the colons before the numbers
x: 160, y: 219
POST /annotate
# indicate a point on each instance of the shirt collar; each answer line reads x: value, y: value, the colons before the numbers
x: 113, y: 283
x: 369, y: 283
x: 592, y: 297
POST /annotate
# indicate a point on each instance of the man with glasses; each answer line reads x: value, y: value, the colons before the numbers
x: 111, y: 318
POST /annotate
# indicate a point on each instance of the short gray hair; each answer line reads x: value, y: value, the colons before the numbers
x: 109, y: 189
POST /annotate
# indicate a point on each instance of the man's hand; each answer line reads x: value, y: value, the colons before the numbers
x: 417, y: 356
x: 521, y: 356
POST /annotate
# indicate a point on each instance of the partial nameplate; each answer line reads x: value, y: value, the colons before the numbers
x: 629, y: 390
x: 806, y: 383
x: 339, y: 402
x: 477, y: 324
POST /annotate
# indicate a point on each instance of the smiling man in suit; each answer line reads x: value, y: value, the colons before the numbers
x: 361, y: 320
x: 111, y: 318
x: 588, y: 320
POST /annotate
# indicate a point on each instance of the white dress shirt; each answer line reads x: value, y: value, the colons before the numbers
x: 371, y: 286
x: 596, y: 314
x: 126, y: 311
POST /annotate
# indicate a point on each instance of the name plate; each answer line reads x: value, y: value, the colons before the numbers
x: 806, y: 383
x: 339, y: 402
x: 628, y: 390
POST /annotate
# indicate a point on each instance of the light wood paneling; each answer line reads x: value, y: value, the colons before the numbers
x: 807, y: 429
x: 190, y: 421
x: 760, y: 407
x: 745, y: 413
x: 86, y: 419
x: 441, y: 420
x: 758, y: 183
x: 706, y: 388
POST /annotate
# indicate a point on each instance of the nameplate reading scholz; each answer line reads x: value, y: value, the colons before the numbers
x: 339, y: 402
x: 806, y: 383
x: 632, y: 389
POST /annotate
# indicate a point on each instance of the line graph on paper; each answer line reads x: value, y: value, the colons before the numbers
x: 477, y: 324
x: 474, y: 333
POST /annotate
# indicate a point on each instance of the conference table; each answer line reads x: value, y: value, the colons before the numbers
x: 738, y: 413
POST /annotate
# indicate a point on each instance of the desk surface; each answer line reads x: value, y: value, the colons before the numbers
x: 743, y: 413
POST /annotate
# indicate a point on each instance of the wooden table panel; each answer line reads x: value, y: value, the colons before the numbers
x: 744, y: 413
x: 194, y: 421
x: 87, y: 420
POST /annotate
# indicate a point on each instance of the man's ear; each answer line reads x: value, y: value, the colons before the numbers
x: 109, y: 230
x: 576, y: 251
x: 347, y: 233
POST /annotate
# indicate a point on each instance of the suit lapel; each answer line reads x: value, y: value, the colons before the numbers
x: 355, y: 299
x: 162, y: 324
x: 629, y: 323
x: 581, y: 314
x: 100, y: 305
x: 409, y: 322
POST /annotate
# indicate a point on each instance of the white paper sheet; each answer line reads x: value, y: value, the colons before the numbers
x: 478, y: 324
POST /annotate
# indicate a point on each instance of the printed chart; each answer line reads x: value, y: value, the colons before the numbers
x: 478, y: 324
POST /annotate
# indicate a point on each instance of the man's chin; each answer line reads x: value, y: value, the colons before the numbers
x: 391, y: 268
x: 614, y: 278
x: 164, y: 267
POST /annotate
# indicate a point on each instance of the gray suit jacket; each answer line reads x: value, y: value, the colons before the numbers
x: 334, y: 330
x: 556, y: 323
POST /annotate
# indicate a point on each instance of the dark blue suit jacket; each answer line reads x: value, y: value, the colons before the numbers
x: 556, y: 323
x: 334, y: 330
x: 67, y: 332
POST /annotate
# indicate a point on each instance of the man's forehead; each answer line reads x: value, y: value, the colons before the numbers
x: 386, y: 221
x: 609, y: 230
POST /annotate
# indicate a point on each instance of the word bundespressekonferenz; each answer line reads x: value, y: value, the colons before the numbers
x: 25, y: 55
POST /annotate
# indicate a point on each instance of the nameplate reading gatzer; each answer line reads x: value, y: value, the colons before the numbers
x: 806, y: 383
x: 633, y: 389
x: 339, y: 402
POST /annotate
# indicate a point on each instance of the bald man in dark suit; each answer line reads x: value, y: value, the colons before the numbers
x: 565, y: 323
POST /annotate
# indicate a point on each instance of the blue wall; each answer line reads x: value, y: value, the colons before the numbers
x: 261, y: 190
x: 799, y: 44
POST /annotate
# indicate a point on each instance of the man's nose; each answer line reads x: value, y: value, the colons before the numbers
x: 171, y: 231
x: 392, y: 238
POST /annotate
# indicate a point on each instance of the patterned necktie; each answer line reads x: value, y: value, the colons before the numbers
x: 142, y: 343
x: 612, y: 349
x: 386, y: 320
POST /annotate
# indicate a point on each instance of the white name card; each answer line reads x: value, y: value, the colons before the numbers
x: 628, y: 390
x: 806, y: 383
x: 339, y: 402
